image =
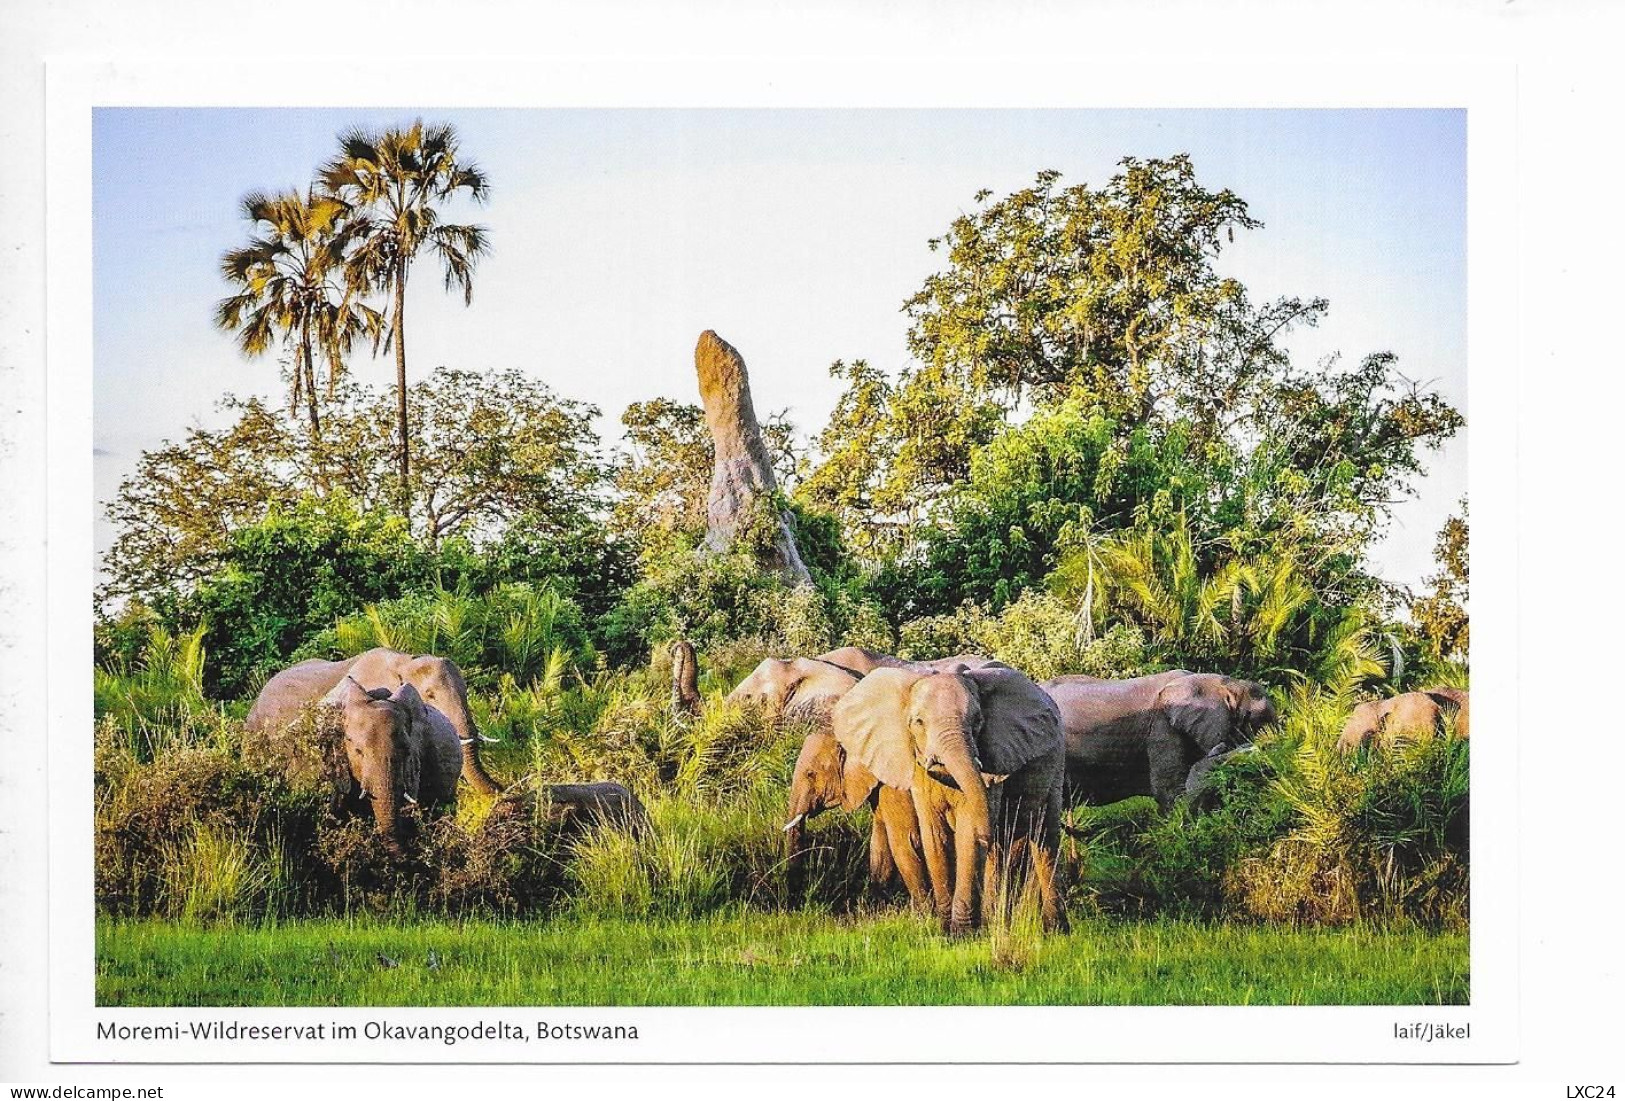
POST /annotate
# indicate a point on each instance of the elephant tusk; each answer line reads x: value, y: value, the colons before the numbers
x: 483, y: 738
x: 466, y: 741
x: 794, y: 822
x: 408, y: 797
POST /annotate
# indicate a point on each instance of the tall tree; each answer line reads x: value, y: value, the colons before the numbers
x: 292, y: 292
x: 396, y: 180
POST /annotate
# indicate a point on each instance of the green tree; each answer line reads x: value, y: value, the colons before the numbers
x: 1441, y: 616
x: 289, y: 576
x: 292, y: 290
x: 1106, y: 295
x: 496, y: 451
x: 1112, y: 290
x: 396, y: 181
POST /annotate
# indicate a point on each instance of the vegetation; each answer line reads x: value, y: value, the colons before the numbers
x: 395, y: 182
x: 805, y: 958
x: 1101, y: 460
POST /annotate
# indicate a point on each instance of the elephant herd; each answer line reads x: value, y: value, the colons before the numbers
x: 966, y: 763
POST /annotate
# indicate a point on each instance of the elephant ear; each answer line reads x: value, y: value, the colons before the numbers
x: 329, y: 724
x: 1020, y: 722
x: 857, y: 783
x: 815, y: 683
x: 1200, y: 710
x: 409, y: 704
x: 871, y: 723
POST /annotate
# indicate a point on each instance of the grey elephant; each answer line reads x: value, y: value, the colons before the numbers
x: 980, y: 753
x: 794, y: 687
x: 438, y: 681
x: 1144, y: 736
x: 1403, y: 717
x: 578, y: 806
x: 825, y: 777
x: 863, y: 661
x: 385, y: 750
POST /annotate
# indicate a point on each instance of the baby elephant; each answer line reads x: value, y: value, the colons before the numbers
x: 1403, y: 718
x: 575, y: 807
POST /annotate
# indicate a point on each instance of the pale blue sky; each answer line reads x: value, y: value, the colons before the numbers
x: 618, y: 236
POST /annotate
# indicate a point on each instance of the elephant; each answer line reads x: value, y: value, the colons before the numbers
x: 980, y: 753
x: 1402, y: 718
x: 1143, y: 736
x: 825, y: 777
x: 808, y: 688
x: 795, y: 687
x: 864, y: 662
x: 576, y: 806
x: 385, y: 750
x: 439, y: 682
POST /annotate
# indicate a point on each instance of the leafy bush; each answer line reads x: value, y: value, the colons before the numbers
x: 289, y: 577
x: 157, y: 697
x: 1037, y: 634
x: 715, y: 600
x: 1298, y: 832
x: 518, y: 630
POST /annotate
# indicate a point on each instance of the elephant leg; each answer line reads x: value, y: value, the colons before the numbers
x: 880, y: 852
x: 1045, y: 863
x: 970, y: 853
x: 993, y: 882
x: 934, y: 844
x: 903, y: 836
x: 1170, y: 763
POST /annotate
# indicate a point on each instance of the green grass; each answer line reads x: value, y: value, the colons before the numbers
x: 769, y: 959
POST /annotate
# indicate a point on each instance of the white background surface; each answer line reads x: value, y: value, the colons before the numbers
x: 1562, y: 244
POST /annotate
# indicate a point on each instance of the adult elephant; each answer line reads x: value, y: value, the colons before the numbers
x: 438, y: 681
x: 1403, y: 717
x: 1144, y: 736
x: 863, y: 662
x: 383, y: 750
x: 795, y: 687
x: 823, y: 776
x: 980, y: 753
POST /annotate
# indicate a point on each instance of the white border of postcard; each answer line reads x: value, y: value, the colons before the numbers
x: 825, y: 1035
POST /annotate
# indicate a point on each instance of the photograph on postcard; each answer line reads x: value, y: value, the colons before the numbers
x: 780, y: 557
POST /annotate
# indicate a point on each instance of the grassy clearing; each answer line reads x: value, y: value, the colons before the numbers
x: 770, y: 959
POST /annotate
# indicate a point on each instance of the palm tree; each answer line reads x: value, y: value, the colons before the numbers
x: 289, y: 275
x: 395, y: 179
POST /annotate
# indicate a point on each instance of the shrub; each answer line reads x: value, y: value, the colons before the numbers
x: 1037, y: 634
x: 517, y: 630
x: 1297, y: 832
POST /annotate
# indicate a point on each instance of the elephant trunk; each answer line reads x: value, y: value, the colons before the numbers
x: 384, y: 797
x: 795, y: 860
x: 473, y: 772
x: 957, y: 759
